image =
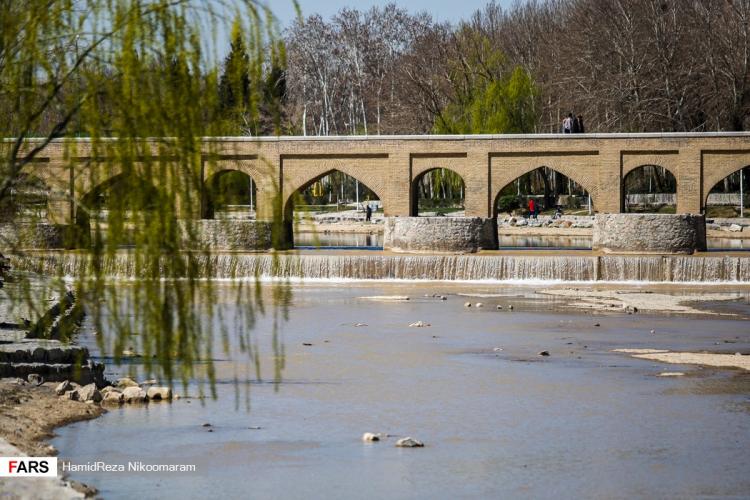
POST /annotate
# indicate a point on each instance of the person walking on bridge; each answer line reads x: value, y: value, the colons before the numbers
x: 567, y: 124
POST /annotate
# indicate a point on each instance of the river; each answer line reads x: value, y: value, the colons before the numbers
x: 497, y: 419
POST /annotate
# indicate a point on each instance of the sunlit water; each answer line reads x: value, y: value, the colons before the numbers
x: 497, y: 419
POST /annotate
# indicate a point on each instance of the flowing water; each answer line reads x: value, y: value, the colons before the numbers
x: 497, y: 419
x: 493, y: 266
x: 327, y: 240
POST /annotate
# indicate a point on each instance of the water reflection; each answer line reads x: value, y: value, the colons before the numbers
x: 339, y: 240
x: 375, y: 241
x: 495, y: 416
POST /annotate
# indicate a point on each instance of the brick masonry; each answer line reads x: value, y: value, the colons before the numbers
x: 392, y: 165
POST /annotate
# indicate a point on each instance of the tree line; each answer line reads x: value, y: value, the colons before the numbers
x: 625, y: 65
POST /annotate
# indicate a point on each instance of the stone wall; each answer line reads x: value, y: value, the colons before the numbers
x: 32, y: 235
x: 232, y: 235
x: 440, y: 234
x: 391, y: 165
x: 649, y: 233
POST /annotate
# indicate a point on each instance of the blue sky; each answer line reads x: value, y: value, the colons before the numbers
x: 441, y: 10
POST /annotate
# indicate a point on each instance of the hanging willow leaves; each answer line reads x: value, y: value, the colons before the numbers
x: 139, y: 80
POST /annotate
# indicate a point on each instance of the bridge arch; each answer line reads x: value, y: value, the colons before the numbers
x: 130, y: 193
x: 582, y: 169
x: 229, y: 187
x: 649, y: 185
x: 729, y: 193
x: 577, y: 190
x: 292, y: 196
x: 29, y: 199
x: 451, y: 185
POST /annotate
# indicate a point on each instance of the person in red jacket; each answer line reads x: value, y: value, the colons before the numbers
x: 532, y: 209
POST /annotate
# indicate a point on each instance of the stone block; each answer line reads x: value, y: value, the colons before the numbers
x: 440, y: 234
x: 649, y: 233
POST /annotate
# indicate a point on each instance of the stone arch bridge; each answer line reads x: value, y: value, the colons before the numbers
x: 391, y: 165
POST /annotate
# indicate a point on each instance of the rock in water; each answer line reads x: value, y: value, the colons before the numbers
x: 479, y: 304
x: 62, y: 388
x: 89, y: 393
x: 113, y: 397
x: 544, y: 353
x: 158, y: 393
x: 419, y: 324
x: 369, y: 437
x: 467, y: 304
x: 134, y: 395
x: 409, y: 442
x: 126, y: 382
x: 499, y: 308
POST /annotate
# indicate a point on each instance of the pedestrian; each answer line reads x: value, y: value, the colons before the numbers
x: 579, y: 124
x: 574, y: 127
x: 532, y: 209
x: 567, y: 124
x: 368, y: 213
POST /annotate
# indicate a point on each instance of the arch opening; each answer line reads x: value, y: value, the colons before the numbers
x: 649, y: 189
x: 551, y: 191
x: 27, y: 200
x: 333, y: 196
x: 229, y: 194
x: 119, y: 204
x: 438, y: 192
x: 729, y: 197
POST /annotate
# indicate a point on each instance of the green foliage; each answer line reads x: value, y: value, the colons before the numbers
x: 507, y: 202
x: 120, y: 73
x: 252, y: 87
x: 498, y: 106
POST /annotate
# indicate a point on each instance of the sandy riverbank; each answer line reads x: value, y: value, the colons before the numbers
x: 718, y: 360
x: 28, y: 417
x: 634, y: 301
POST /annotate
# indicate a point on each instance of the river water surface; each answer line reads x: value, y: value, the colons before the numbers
x: 497, y: 419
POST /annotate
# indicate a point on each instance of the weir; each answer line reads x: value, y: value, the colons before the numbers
x: 728, y: 269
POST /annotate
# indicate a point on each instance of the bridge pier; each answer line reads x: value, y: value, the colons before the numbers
x: 440, y: 234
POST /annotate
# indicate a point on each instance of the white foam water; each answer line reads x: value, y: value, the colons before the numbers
x: 500, y: 268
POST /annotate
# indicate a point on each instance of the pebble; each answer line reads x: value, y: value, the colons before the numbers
x: 479, y: 304
x: 497, y: 349
x: 419, y: 324
x: 62, y: 388
x: 467, y: 304
x: 544, y: 353
x: 306, y: 343
x: 360, y: 324
x: 124, y: 382
x: 653, y: 331
x: 159, y: 393
x: 510, y: 307
x: 499, y: 308
x: 134, y: 395
x: 206, y: 424
x: 369, y: 437
x: 597, y: 324
x: 409, y: 442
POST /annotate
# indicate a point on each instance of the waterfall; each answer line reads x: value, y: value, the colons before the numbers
x: 520, y: 268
